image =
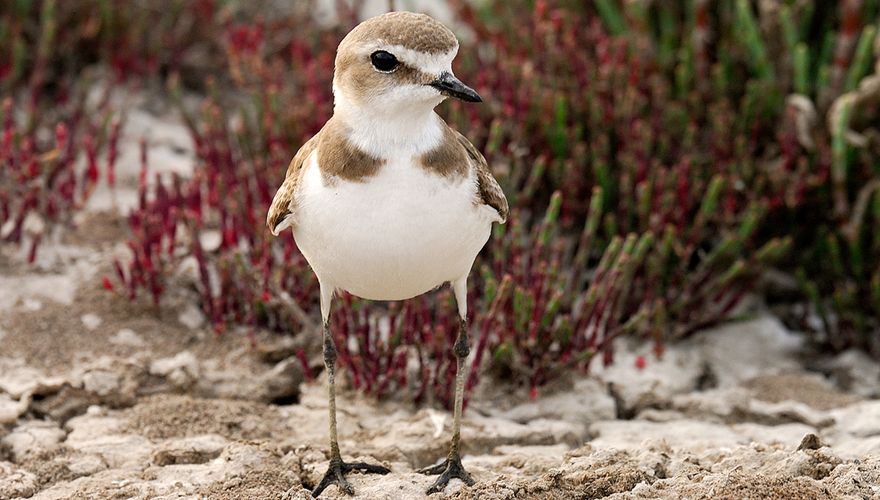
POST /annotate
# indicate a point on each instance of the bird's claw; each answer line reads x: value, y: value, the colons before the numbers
x: 337, y: 470
x: 448, y: 469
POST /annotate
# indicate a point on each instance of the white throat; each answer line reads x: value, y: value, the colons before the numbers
x: 385, y: 131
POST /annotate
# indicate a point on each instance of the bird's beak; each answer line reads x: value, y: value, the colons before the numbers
x: 451, y: 86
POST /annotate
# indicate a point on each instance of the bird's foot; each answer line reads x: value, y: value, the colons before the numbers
x: 337, y: 470
x: 448, y: 469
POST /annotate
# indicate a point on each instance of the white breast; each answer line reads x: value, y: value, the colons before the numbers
x: 393, y: 236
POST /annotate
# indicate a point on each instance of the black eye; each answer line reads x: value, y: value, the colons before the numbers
x: 384, y: 61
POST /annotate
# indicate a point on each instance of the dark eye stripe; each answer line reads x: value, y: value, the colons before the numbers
x: 384, y: 61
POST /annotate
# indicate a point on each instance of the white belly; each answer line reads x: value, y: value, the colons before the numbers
x: 397, y: 235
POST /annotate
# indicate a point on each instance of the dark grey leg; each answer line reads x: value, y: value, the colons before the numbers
x: 452, y: 467
x: 337, y: 469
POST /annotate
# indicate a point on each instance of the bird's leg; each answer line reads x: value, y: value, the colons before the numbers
x: 452, y: 467
x: 337, y: 469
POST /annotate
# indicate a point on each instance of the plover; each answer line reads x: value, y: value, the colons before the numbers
x: 387, y: 202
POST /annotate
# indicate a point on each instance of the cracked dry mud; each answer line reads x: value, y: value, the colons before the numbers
x: 101, y: 398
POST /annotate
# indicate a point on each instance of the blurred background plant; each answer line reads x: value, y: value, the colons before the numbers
x: 660, y: 160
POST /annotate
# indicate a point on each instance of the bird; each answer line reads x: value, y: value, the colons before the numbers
x: 387, y: 202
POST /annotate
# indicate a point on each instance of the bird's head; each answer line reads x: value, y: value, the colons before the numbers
x: 398, y: 62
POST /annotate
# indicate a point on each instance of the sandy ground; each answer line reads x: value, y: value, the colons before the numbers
x: 100, y: 398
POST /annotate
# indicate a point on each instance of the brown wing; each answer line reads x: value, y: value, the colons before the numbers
x: 281, y: 212
x: 489, y: 191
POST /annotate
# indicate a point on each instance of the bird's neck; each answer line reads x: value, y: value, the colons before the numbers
x: 389, y: 132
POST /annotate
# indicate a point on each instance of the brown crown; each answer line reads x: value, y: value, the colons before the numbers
x: 418, y: 32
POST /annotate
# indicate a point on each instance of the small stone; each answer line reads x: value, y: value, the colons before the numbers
x: 181, y: 370
x: 120, y: 451
x: 34, y: 436
x: 91, y: 321
x: 7, y: 227
x: 277, y: 348
x: 856, y: 430
x: 861, y: 420
x: 16, y: 483
x: 283, y: 380
x: 95, y: 411
x: 86, y: 465
x: 65, y: 403
x: 190, y: 450
x: 34, y: 223
x: 11, y: 409
x: 586, y: 402
x: 677, y: 372
x: 810, y: 442
x: 32, y: 305
x: 736, y: 352
x: 210, y: 240
x: 101, y: 382
x: 18, y: 379
x: 191, y: 317
x: 856, y: 372
x: 84, y: 428
x: 296, y: 493
x: 188, y: 269
x: 127, y: 337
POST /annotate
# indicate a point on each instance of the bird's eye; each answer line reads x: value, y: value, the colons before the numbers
x: 384, y: 61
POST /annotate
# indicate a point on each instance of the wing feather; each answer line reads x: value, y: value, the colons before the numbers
x: 283, y: 209
x: 489, y: 191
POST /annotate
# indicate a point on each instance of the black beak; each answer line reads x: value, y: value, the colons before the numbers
x: 451, y: 86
